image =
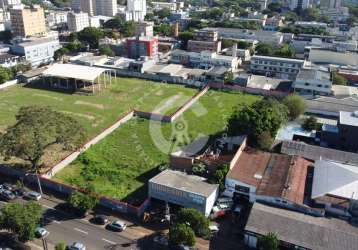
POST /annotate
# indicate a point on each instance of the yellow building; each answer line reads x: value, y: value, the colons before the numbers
x: 27, y: 21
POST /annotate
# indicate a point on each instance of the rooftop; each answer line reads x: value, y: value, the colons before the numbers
x: 273, y: 58
x: 313, y: 74
x: 181, y: 181
x: 348, y: 118
x: 332, y: 105
x: 317, y: 233
x: 314, y: 153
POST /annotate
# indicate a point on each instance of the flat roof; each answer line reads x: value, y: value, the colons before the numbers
x: 313, y: 74
x: 348, y: 118
x: 317, y: 233
x: 182, y: 181
x: 273, y: 58
x: 332, y: 104
x: 75, y: 71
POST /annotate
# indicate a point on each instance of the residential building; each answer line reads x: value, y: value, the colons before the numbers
x: 184, y: 190
x: 344, y: 135
x: 56, y: 18
x: 337, y: 14
x: 285, y: 68
x: 273, y: 23
x: 144, y: 29
x: 142, y: 46
x: 94, y: 21
x: 327, y: 56
x: 164, y: 5
x: 312, y: 24
x: 178, y: 15
x: 204, y: 40
x: 27, y: 21
x: 9, y: 60
x: 106, y: 8
x: 37, y: 51
x: 204, y: 59
x: 77, y: 21
x: 299, y: 231
x: 5, y: 4
x: 243, y: 54
x: 136, y: 10
x: 330, y: 4
x: 299, y: 4
x: 88, y: 6
x: 313, y: 82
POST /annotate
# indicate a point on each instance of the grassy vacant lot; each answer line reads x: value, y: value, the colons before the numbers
x: 94, y: 112
x: 120, y: 165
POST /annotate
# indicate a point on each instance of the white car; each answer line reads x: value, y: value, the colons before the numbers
x: 41, y: 232
x: 117, y: 226
x: 33, y: 195
x: 77, y: 246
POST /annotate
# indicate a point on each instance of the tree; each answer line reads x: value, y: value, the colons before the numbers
x: 184, y: 37
x: 229, y: 77
x: 82, y: 202
x: 60, y: 53
x: 274, y: 7
x: 195, y: 219
x: 338, y: 79
x: 163, y: 29
x: 285, y: 51
x: 21, y: 219
x: 21, y: 67
x: 252, y: 120
x: 5, y: 36
x: 106, y: 50
x: 265, y: 140
x: 36, y: 129
x: 220, y: 175
x: 91, y: 36
x: 128, y: 29
x: 264, y: 49
x: 115, y: 23
x: 60, y: 246
x: 310, y: 123
x: 310, y: 14
x: 5, y: 74
x: 269, y: 242
x: 163, y: 13
x: 181, y: 234
x: 296, y: 106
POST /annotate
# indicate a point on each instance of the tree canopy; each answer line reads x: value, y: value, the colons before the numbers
x: 296, y: 106
x: 269, y: 242
x: 21, y: 219
x: 196, y: 220
x: 181, y: 234
x: 338, y: 79
x: 264, y: 115
x: 5, y: 74
x: 91, y: 36
x: 35, y: 130
x: 106, y: 50
x: 81, y: 201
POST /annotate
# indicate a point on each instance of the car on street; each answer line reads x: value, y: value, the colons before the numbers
x: 77, y: 246
x: 32, y: 195
x: 7, y: 195
x: 41, y: 232
x: 100, y: 219
x: 117, y: 226
x: 7, y: 186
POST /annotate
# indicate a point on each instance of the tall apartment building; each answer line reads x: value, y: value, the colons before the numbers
x: 330, y: 4
x: 96, y: 7
x: 299, y: 4
x: 88, y: 6
x: 142, y: 46
x: 77, y: 21
x: 27, y: 21
x: 204, y: 40
x: 136, y: 10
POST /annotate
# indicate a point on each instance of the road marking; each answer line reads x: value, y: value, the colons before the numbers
x: 47, y: 206
x: 80, y: 230
x: 108, y: 241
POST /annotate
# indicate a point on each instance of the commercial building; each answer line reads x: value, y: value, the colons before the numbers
x: 27, y: 21
x: 299, y: 4
x: 144, y: 29
x: 204, y: 59
x: 142, y: 46
x: 273, y: 23
x: 37, y: 51
x: 96, y: 7
x: 77, y: 21
x: 184, y: 190
x: 313, y: 82
x: 327, y: 56
x: 330, y: 4
x: 56, y: 18
x: 204, y: 40
x: 299, y: 231
x: 285, y: 68
x: 136, y: 10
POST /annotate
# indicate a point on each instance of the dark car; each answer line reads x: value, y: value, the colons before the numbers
x: 7, y: 195
x: 7, y: 186
x: 19, y: 192
x: 100, y: 219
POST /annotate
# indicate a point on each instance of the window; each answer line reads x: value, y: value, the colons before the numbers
x: 307, y: 84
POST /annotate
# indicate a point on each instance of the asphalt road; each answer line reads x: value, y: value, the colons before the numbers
x: 68, y: 229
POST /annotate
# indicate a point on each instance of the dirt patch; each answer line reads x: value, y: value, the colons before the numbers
x: 88, y: 117
x: 99, y: 106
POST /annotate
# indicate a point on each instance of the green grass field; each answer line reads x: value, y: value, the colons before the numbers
x: 120, y: 165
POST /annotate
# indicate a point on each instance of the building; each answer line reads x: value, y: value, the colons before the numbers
x: 312, y: 24
x: 77, y: 21
x: 326, y: 56
x: 106, y: 8
x: 56, y: 18
x: 299, y: 231
x: 273, y: 23
x: 88, y: 6
x: 37, y: 51
x: 5, y: 4
x: 344, y: 135
x: 285, y: 68
x: 204, y: 59
x: 299, y: 4
x: 184, y: 190
x: 313, y: 82
x: 164, y: 5
x: 142, y: 46
x: 136, y: 10
x: 27, y: 21
x: 330, y: 4
x: 204, y: 40
x: 144, y: 29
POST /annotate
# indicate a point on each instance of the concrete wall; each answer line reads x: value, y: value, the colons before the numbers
x: 238, y: 153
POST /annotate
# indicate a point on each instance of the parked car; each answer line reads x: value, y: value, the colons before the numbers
x: 117, y: 226
x: 19, y: 192
x: 41, y: 232
x: 77, y: 246
x: 32, y: 195
x: 7, y: 186
x: 100, y: 219
x: 7, y: 195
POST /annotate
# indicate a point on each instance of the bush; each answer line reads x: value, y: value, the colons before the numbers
x: 60, y: 246
x: 269, y: 242
x: 265, y: 140
x: 82, y: 202
x: 197, y: 221
x: 310, y: 123
x: 181, y: 234
x: 339, y: 80
x: 296, y: 106
x: 220, y: 175
x: 199, y: 168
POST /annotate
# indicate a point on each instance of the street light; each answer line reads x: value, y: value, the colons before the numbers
x: 38, y: 180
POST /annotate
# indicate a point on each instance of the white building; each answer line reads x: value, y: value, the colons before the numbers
x: 312, y: 24
x: 37, y: 51
x: 106, y: 7
x: 313, y: 82
x: 56, y: 18
x: 136, y: 10
x: 299, y: 4
x: 77, y: 21
x: 94, y: 21
x: 164, y: 5
x: 9, y: 3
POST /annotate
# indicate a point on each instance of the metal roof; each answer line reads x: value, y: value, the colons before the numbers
x: 74, y: 71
